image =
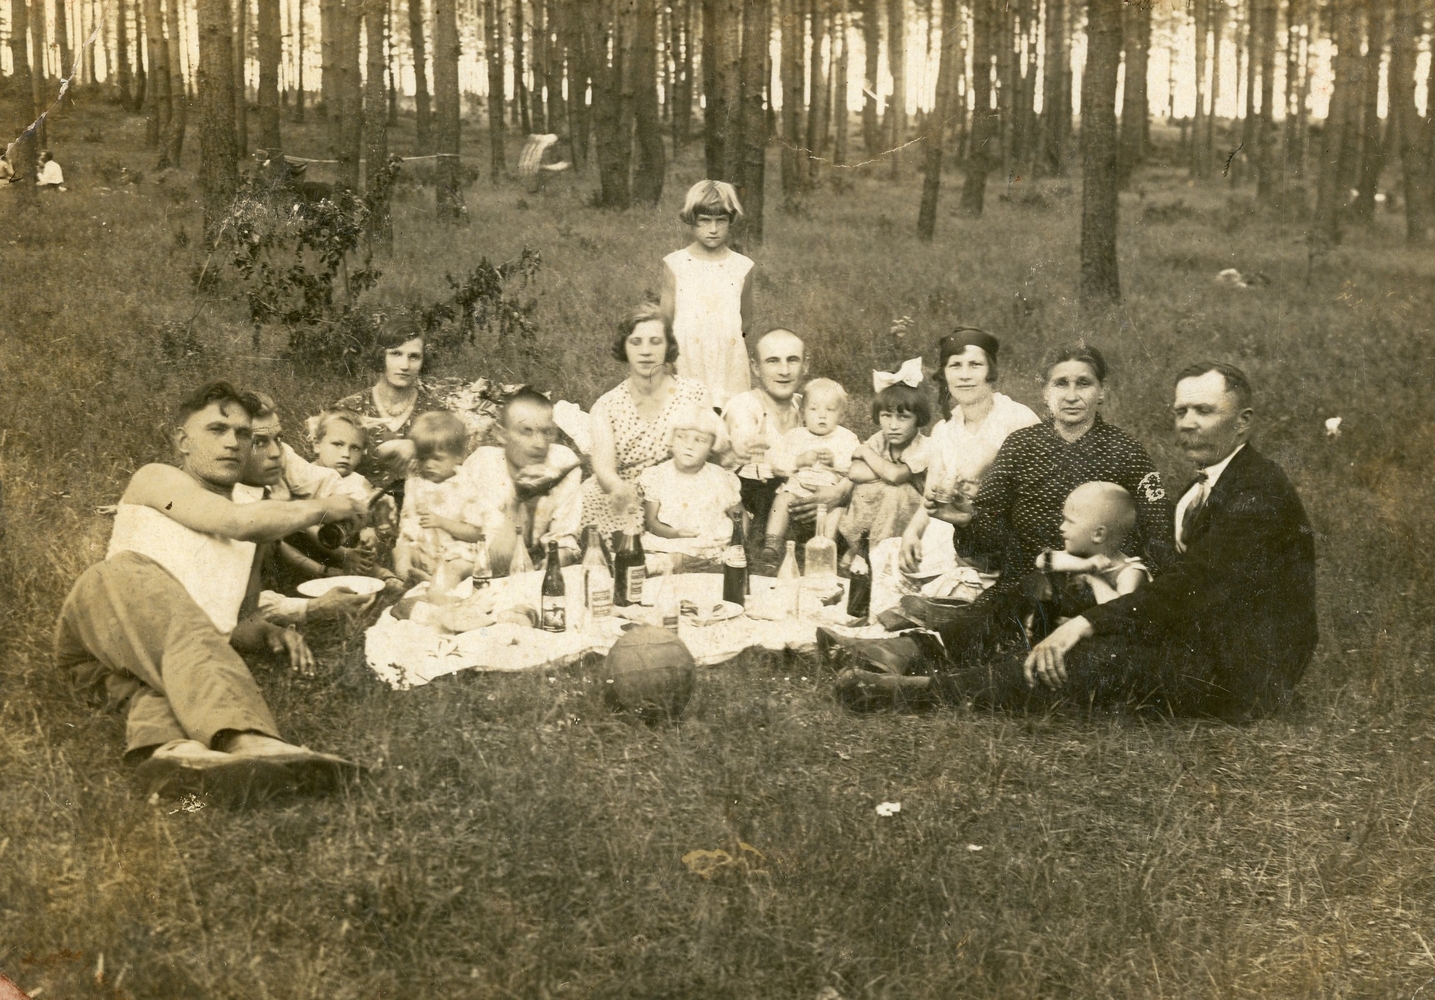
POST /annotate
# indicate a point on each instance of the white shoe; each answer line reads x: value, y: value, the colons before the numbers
x: 188, y: 767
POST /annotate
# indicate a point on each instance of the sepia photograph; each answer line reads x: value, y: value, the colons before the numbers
x: 717, y: 499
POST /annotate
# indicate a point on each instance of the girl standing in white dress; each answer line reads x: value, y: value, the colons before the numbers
x: 707, y: 294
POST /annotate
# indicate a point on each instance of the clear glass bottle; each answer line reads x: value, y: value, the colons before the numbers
x: 520, y: 561
x: 667, y: 601
x: 597, y: 580
x: 789, y: 583
x: 821, y: 551
x: 482, y: 564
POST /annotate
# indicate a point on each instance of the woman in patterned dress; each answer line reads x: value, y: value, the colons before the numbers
x: 388, y: 408
x: 630, y: 421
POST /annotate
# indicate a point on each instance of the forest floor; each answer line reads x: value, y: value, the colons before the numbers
x: 515, y: 840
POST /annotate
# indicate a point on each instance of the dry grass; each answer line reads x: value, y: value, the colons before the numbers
x: 517, y: 841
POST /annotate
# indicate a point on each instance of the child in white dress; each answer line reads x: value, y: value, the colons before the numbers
x: 813, y: 457
x: 441, y: 515
x: 707, y: 294
x: 688, y: 501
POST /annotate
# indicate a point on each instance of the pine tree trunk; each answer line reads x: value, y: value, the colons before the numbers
x: 40, y: 85
x: 524, y: 119
x: 648, y: 128
x: 979, y: 157
x: 794, y: 37
x: 535, y: 98
x: 1100, y: 276
x: 218, y: 149
x: 612, y: 122
x: 423, y: 111
x: 446, y: 122
x: 756, y: 35
x: 1294, y: 150
x: 271, y: 50
x: 936, y: 138
x: 556, y: 108
x: 1266, y: 136
x: 376, y: 100
x: 346, y: 118
x: 1005, y: 66
x: 141, y: 72
x: 1404, y: 117
x: 1217, y: 14
x: 178, y: 96
x: 713, y: 118
x: 1049, y: 157
x: 1200, y: 156
x: 897, y: 58
x: 841, y: 110
x: 391, y: 63
x: 241, y: 61
x: 19, y: 108
x: 493, y: 55
x: 299, y: 95
x: 154, y: 46
x: 1136, y: 35
x: 682, y: 74
x: 818, y: 111
x: 1372, y: 147
x: 327, y: 72
x: 722, y: 46
x: 123, y: 79
x: 62, y: 39
x: 872, y: 45
x: 1349, y: 161
x: 579, y: 76
x: 1330, y: 191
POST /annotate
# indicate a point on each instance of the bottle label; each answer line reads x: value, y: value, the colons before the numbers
x: 554, y: 617
x: 736, y: 556
x: 635, y: 577
x: 599, y: 595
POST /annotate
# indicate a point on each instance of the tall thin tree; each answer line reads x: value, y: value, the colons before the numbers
x: 872, y: 48
x: 423, y: 113
x: 1100, y: 275
x: 936, y: 137
x: 1136, y: 39
x: 897, y: 61
x: 1267, y: 138
x: 1372, y: 141
x: 756, y: 36
x: 124, y: 81
x: 522, y: 117
x: 1050, y: 158
x: 493, y: 56
x: 841, y: 99
x: 155, y: 53
x: 19, y: 102
x: 647, y: 126
x: 178, y: 91
x: 610, y: 31
x: 449, y: 168
x: 1330, y: 191
x: 979, y: 157
x: 269, y: 25
x: 218, y: 148
x: 794, y: 38
x: 819, y: 91
x: 376, y: 123
x: 241, y: 65
x: 1406, y: 119
x: 1199, y: 155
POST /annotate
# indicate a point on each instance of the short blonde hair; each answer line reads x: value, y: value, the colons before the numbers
x: 824, y: 387
x: 710, y: 198
x: 327, y: 418
x: 702, y: 420
x: 438, y: 431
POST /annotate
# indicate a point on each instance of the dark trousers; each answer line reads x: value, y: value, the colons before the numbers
x: 757, y: 496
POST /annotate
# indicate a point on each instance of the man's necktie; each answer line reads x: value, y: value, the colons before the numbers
x: 1194, y: 508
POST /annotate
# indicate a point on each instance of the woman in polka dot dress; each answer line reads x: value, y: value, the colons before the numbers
x: 630, y: 422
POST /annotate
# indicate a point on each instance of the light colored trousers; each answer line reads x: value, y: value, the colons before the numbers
x: 132, y: 629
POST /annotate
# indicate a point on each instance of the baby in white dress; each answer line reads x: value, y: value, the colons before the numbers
x: 813, y: 457
x: 689, y: 502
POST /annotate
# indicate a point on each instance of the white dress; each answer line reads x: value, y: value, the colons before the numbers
x: 707, y: 321
x: 697, y: 502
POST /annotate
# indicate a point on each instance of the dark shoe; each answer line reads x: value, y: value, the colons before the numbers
x: 896, y: 655
x: 312, y: 772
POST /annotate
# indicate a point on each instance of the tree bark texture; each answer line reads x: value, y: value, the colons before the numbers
x: 538, y: 58
x: 755, y: 37
x: 1050, y: 156
x: 62, y: 40
x: 683, y: 74
x: 218, y: 148
x: 1136, y: 37
x: 270, y: 29
x: 327, y: 74
x: 1330, y: 192
x: 648, y: 131
x: 123, y: 78
x: 897, y: 59
x: 19, y: 112
x: 493, y: 55
x: 872, y: 45
x: 794, y: 37
x: 449, y: 168
x: 1296, y: 18
x: 376, y: 98
x: 423, y: 111
x: 1216, y: 12
x: 1267, y: 140
x: 580, y: 62
x: 1200, y: 155
x: 178, y: 97
x: 841, y: 113
x: 1415, y: 169
x: 936, y: 138
x: 347, y: 116
x: 522, y: 117
x: 819, y: 110
x: 241, y: 52
x: 979, y: 156
x: 1100, y: 276
x: 1372, y: 146
x: 155, y: 52
x: 610, y: 32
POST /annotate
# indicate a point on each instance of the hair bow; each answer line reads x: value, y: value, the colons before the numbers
x: 909, y: 374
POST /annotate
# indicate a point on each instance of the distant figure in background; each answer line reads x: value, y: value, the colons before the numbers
x: 51, y: 176
x: 707, y: 294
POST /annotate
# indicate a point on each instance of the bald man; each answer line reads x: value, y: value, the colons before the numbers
x: 757, y: 420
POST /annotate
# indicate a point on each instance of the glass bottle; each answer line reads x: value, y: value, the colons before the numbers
x: 597, y: 579
x: 821, y: 551
x: 859, y: 584
x: 667, y: 601
x: 482, y: 564
x: 553, y: 604
x: 789, y: 583
x: 629, y: 570
x: 520, y: 563
x: 734, y: 566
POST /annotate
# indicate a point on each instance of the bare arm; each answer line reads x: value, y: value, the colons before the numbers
x: 181, y: 498
x: 605, y: 456
x: 1065, y: 562
x: 861, y: 472
x: 804, y: 509
x: 747, y: 310
x: 895, y: 473
x: 460, y: 530
x: 653, y: 524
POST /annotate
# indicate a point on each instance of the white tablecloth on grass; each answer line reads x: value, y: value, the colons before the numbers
x: 406, y: 654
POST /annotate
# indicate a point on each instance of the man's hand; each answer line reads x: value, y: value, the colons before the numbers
x: 343, y: 508
x: 804, y: 509
x: 1047, y: 659
x: 959, y: 512
x: 288, y: 640
x: 338, y: 602
x: 909, y: 559
x: 357, y: 562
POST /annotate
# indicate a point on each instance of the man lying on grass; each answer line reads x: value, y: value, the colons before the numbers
x: 1227, y: 631
x: 158, y: 623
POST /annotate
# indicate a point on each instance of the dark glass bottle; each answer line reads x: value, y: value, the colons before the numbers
x: 629, y: 570
x: 553, y: 610
x: 734, y: 566
x: 859, y: 584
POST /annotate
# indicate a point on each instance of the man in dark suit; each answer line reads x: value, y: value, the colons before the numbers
x: 1227, y: 631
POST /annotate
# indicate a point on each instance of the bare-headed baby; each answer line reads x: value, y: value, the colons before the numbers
x: 1096, y: 521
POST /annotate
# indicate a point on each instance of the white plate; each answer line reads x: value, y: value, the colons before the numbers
x: 711, y: 614
x: 358, y: 584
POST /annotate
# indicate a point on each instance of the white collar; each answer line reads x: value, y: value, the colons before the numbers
x: 1213, y: 472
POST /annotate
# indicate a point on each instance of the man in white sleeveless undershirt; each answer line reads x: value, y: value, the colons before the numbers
x: 160, y: 623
